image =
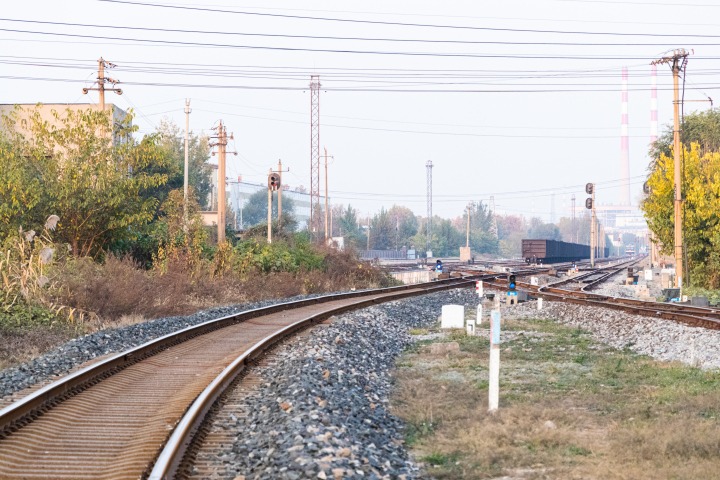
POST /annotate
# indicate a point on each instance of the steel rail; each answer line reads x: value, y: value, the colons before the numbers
x: 174, y: 450
x: 691, y: 315
x: 27, y: 408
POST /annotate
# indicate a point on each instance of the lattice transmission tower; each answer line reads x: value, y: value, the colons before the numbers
x: 314, y: 153
x: 429, y: 166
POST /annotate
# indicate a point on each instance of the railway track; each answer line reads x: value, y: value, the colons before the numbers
x: 134, y: 414
x: 694, y: 316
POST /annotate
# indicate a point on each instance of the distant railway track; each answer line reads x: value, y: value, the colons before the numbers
x: 694, y: 316
x: 133, y: 415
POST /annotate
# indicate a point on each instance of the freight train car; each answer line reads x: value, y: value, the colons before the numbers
x: 552, y: 251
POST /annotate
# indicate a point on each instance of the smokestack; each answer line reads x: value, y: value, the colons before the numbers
x: 624, y: 145
x: 653, y: 105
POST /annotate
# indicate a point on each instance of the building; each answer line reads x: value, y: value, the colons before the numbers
x: 47, y: 113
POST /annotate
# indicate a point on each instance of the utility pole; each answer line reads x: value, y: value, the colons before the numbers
x: 326, y: 197
x: 187, y: 133
x: 677, y: 60
x: 269, y: 211
x: 280, y: 194
x: 592, y: 227
x: 572, y: 223
x: 467, y: 244
x: 222, y: 140
x: 368, y: 233
x: 102, y: 80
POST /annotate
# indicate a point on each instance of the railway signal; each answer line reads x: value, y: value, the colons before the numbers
x: 590, y: 188
x: 647, y: 190
x: 511, y: 282
x: 274, y: 181
x: 588, y: 203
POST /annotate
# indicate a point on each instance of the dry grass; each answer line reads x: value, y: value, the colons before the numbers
x: 616, y: 415
x: 19, y: 346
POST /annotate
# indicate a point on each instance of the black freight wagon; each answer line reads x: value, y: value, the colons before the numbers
x: 552, y: 251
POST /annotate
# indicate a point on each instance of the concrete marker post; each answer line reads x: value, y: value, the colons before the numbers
x: 494, y: 370
x: 478, y: 320
x: 540, y: 303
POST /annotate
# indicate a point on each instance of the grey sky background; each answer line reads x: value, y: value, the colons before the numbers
x: 531, y: 118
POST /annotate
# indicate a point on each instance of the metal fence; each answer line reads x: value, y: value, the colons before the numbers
x: 383, y: 254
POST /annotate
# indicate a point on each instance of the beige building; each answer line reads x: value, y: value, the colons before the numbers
x: 48, y: 110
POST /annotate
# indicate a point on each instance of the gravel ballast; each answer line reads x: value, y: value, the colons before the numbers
x: 324, y: 410
x: 61, y: 360
x: 661, y: 339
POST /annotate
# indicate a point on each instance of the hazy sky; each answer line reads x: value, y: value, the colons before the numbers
x: 498, y: 95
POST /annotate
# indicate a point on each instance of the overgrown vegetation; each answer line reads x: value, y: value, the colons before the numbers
x: 121, y: 242
x: 613, y: 414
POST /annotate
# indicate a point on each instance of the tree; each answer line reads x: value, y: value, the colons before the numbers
x: 702, y: 128
x: 199, y: 171
x: 349, y: 228
x: 96, y: 186
x: 255, y: 211
x: 545, y: 231
x: 382, y: 232
x: 701, y: 212
x: 406, y: 223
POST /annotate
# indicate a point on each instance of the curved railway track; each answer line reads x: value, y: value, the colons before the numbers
x: 134, y: 414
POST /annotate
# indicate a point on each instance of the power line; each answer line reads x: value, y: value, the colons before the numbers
x: 344, y: 89
x: 319, y: 37
x: 346, y: 51
x: 400, y: 24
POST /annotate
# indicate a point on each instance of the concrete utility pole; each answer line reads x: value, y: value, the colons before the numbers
x: 677, y: 62
x: 187, y: 133
x: 221, y: 185
x: 326, y: 198
x: 269, y: 211
x: 222, y: 140
x: 280, y: 194
x: 429, y: 166
x: 467, y: 243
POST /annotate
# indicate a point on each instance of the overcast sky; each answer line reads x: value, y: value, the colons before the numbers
x: 483, y: 89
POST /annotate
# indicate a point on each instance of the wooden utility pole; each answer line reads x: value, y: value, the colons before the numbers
x: 677, y: 63
x: 101, y: 81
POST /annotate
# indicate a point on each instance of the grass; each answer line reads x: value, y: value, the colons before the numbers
x: 613, y: 414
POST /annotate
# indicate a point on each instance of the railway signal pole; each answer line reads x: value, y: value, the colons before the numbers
x: 590, y: 204
x: 677, y: 62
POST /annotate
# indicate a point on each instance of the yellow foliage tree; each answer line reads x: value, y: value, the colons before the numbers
x: 701, y: 212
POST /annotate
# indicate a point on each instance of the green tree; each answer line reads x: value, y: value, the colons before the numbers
x: 96, y: 186
x: 406, y: 223
x: 255, y: 210
x: 545, y: 231
x: 382, y: 232
x: 702, y: 128
x: 349, y: 229
x: 172, y: 139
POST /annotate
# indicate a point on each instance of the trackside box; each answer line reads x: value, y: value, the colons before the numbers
x: 552, y: 251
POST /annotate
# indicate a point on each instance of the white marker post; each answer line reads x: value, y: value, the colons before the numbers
x: 479, y: 288
x: 478, y: 320
x: 540, y: 302
x: 494, y: 370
